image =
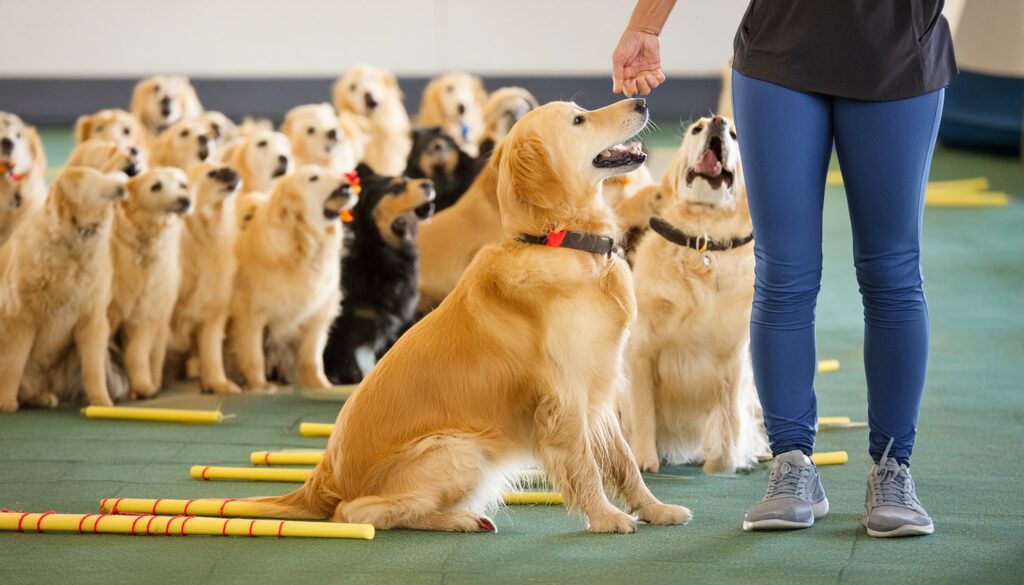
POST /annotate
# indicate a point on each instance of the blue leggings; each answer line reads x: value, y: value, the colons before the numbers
x: 885, y: 151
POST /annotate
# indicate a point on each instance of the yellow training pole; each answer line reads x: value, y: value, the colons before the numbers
x: 285, y: 457
x: 218, y: 507
x: 833, y: 420
x: 178, y: 525
x: 315, y: 429
x: 175, y: 415
x: 293, y: 475
x: 828, y: 366
x: 533, y: 498
x: 830, y: 458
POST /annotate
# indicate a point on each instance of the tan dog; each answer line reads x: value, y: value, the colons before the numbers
x: 207, y: 275
x: 369, y: 104
x: 184, y: 144
x: 114, y: 124
x: 224, y: 131
x: 107, y: 156
x: 161, y: 101
x: 504, y: 107
x: 145, y: 252
x: 54, y: 291
x: 455, y: 102
x: 22, y: 173
x: 450, y: 241
x: 693, y: 397
x: 288, y: 284
x: 260, y: 158
x: 522, y: 360
x: 319, y: 138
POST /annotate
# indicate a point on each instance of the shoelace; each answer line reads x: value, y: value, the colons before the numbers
x: 786, y: 480
x: 893, y: 486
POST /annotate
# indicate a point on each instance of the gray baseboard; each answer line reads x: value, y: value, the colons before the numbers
x: 60, y: 101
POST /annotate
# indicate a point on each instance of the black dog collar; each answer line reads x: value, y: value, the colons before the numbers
x: 593, y: 243
x: 699, y: 243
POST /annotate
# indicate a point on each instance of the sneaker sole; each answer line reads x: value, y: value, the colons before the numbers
x: 819, y: 510
x: 905, y: 530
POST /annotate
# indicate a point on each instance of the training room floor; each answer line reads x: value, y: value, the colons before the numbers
x: 967, y: 464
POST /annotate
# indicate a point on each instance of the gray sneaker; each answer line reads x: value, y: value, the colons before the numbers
x: 891, y: 506
x: 794, y: 498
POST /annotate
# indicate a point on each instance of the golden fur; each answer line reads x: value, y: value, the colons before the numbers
x: 54, y: 291
x: 505, y: 107
x: 224, y: 131
x: 369, y: 105
x: 318, y: 137
x: 455, y: 101
x: 692, y: 397
x: 113, y: 124
x: 288, y: 282
x: 200, y: 317
x: 184, y: 144
x: 107, y: 155
x: 161, y: 101
x: 522, y: 360
x: 22, y: 174
x: 146, y: 269
x: 261, y: 158
x: 618, y: 189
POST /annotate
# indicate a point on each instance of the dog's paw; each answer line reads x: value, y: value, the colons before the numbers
x: 648, y: 461
x: 46, y: 400
x: 144, y: 391
x: 9, y: 405
x: 664, y: 514
x: 222, y: 387
x: 719, y: 465
x: 615, y: 523
x: 100, y: 401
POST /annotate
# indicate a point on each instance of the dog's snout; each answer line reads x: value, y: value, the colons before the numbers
x: 132, y: 170
x: 370, y: 101
x: 133, y: 151
x: 7, y: 145
x: 119, y: 193
x: 717, y: 125
x: 640, y: 105
x: 332, y: 134
x: 165, y: 106
x: 282, y: 160
x: 204, y: 139
x: 462, y: 109
x: 225, y: 175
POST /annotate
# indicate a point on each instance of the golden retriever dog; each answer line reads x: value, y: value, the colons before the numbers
x: 369, y: 103
x: 201, y: 314
x: 145, y: 252
x: 161, y: 101
x: 455, y: 101
x: 22, y: 173
x: 184, y: 144
x: 319, y: 138
x: 523, y: 360
x: 450, y: 241
x: 504, y: 108
x: 260, y: 158
x: 113, y: 124
x: 54, y: 291
x: 225, y: 132
x: 107, y: 156
x: 692, y: 397
x: 287, y: 291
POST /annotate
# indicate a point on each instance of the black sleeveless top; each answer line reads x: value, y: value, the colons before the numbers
x: 871, y: 50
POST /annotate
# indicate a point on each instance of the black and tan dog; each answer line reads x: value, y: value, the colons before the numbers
x: 379, y: 272
x: 436, y: 156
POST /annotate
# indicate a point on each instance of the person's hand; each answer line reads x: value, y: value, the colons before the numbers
x: 636, y: 64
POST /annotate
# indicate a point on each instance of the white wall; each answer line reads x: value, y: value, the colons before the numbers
x: 312, y: 38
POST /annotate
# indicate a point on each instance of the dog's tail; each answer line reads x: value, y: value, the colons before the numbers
x: 313, y: 501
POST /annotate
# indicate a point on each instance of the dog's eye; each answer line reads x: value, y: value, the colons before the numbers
x: 211, y: 174
x: 100, y: 128
x: 310, y: 130
x: 577, y: 120
x: 733, y: 134
x: 450, y: 88
x: 184, y: 134
x: 126, y: 132
x: 262, y: 144
x: 156, y: 187
x: 156, y: 88
x: 314, y: 178
x: 696, y: 129
x: 352, y: 87
x: 183, y: 186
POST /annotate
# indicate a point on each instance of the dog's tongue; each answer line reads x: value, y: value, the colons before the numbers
x: 413, y: 229
x: 709, y: 164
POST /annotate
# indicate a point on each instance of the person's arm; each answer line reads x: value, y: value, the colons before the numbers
x: 636, y: 62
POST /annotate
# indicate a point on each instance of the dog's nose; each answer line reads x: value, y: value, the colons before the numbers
x: 225, y: 175
x: 370, y: 102
x: 282, y: 159
x: 640, y: 105
x: 717, y: 126
x: 204, y: 139
x: 131, y: 170
x: 165, y: 105
x: 332, y: 134
x: 133, y: 151
x: 462, y: 109
x: 183, y: 204
x: 6, y: 145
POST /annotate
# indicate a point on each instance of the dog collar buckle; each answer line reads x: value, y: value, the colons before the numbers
x: 555, y: 239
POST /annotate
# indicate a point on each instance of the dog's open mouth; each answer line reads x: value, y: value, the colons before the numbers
x: 407, y: 226
x: 709, y: 166
x: 180, y: 206
x: 279, y: 171
x: 620, y: 155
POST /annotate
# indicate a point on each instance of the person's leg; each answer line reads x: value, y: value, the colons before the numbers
x: 885, y: 151
x: 785, y: 140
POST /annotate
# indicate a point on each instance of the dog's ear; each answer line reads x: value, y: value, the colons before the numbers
x: 525, y: 171
x: 192, y: 107
x: 83, y: 128
x: 480, y: 92
x: 430, y: 108
x: 365, y: 171
x: 35, y: 146
x: 287, y: 124
x: 530, y: 100
x: 391, y: 83
x: 138, y: 102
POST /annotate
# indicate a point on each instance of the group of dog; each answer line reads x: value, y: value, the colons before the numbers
x: 173, y: 233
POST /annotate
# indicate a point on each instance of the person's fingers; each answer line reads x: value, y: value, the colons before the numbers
x: 630, y: 87
x: 616, y: 74
x: 641, y: 85
x: 659, y: 75
x: 652, y: 80
x: 616, y: 86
